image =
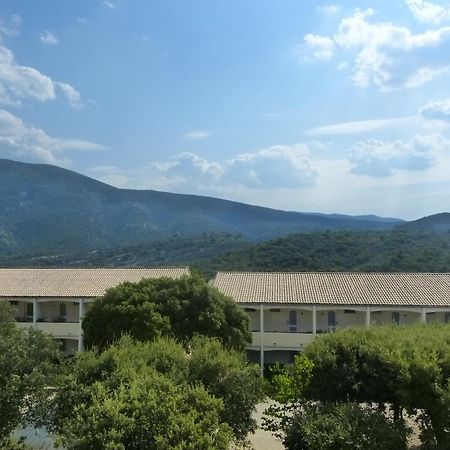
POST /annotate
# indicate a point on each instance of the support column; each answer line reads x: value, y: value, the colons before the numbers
x: 261, y: 338
x: 80, y: 318
x: 35, y: 312
x: 423, y: 315
x: 314, y: 320
x: 368, y: 316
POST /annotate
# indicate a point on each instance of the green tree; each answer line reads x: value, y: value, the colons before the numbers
x: 156, y: 395
x: 178, y: 308
x: 343, y: 426
x: 28, y: 361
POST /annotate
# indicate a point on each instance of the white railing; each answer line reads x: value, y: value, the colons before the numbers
x: 279, y: 340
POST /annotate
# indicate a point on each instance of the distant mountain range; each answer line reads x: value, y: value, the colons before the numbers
x: 50, y: 211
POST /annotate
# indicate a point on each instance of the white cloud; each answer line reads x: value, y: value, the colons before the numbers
x: 48, y: 38
x: 439, y: 110
x: 321, y: 47
x: 273, y: 168
x: 197, y: 135
x: 10, y: 27
x: 386, y: 55
x: 18, y: 83
x: 108, y: 4
x: 279, y: 166
x: 427, y: 12
x: 19, y: 140
x: 361, y: 126
x: 72, y: 95
x: 382, y: 159
x: 328, y: 10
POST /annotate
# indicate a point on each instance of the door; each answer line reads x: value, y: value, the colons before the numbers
x: 396, y: 318
x: 292, y: 323
x: 331, y: 321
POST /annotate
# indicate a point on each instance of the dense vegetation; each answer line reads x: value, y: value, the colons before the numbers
x: 344, y: 380
x: 178, y: 308
x: 153, y: 395
x: 374, y: 251
x: 27, y: 366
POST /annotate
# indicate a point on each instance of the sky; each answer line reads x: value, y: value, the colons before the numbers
x: 307, y: 106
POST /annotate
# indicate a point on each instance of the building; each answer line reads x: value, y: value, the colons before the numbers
x: 287, y: 310
x: 55, y: 300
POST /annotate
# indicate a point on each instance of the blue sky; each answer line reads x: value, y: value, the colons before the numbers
x: 300, y: 105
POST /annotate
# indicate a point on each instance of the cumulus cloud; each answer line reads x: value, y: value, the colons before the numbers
x: 439, y: 110
x: 19, y: 140
x: 19, y: 83
x: 272, y: 168
x: 279, y: 166
x: 111, y: 175
x: 320, y: 47
x: 197, y: 135
x: 48, y: 38
x: 381, y: 159
x: 427, y: 12
x: 386, y: 55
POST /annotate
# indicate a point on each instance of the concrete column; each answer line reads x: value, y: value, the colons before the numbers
x: 261, y: 338
x: 368, y: 316
x: 80, y: 318
x: 423, y: 315
x: 314, y: 320
x: 35, y: 312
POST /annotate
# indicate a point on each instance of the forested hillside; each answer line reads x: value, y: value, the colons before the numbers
x: 395, y: 251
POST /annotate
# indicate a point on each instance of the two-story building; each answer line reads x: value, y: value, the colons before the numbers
x: 55, y: 300
x: 287, y: 310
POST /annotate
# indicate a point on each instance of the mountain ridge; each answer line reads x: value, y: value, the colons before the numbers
x: 48, y: 209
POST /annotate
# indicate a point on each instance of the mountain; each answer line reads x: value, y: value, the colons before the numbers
x: 437, y: 223
x: 47, y: 210
x: 360, y: 251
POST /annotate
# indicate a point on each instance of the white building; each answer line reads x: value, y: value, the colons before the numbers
x: 287, y: 310
x: 55, y: 300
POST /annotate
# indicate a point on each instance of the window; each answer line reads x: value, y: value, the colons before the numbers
x: 274, y: 309
x: 292, y: 323
x: 447, y: 317
x: 249, y: 309
x: 349, y: 311
x: 29, y: 310
x: 62, y: 310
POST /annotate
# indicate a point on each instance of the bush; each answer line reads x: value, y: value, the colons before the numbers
x: 343, y: 426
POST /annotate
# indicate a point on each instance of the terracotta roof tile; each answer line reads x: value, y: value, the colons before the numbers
x: 336, y: 288
x: 74, y: 282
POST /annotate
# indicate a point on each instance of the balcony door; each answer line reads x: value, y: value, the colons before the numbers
x: 331, y: 321
x: 292, y: 323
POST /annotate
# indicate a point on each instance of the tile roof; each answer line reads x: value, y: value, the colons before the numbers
x: 74, y: 282
x: 336, y: 288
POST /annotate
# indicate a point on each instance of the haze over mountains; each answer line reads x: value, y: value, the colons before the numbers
x: 47, y: 209
x: 55, y: 217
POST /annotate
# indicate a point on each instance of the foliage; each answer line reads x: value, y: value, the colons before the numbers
x: 154, y: 395
x: 405, y: 367
x: 343, y: 426
x: 290, y: 383
x: 177, y: 308
x: 27, y: 366
x: 359, y: 251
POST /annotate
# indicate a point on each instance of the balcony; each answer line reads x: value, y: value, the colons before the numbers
x: 66, y: 330
x: 280, y: 340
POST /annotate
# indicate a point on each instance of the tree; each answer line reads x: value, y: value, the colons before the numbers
x: 343, y: 426
x: 28, y: 363
x: 404, y: 368
x: 177, y: 308
x: 155, y: 395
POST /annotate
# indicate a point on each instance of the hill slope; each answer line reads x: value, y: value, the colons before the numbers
x: 437, y: 223
x: 48, y: 210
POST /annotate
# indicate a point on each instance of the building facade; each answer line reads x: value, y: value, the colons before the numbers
x: 288, y: 310
x: 55, y: 300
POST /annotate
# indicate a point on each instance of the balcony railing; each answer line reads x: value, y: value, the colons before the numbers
x: 59, y: 330
x: 280, y: 340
